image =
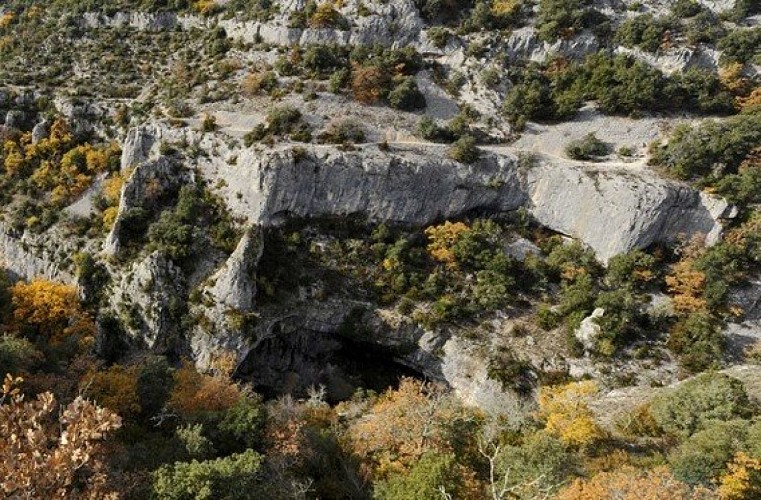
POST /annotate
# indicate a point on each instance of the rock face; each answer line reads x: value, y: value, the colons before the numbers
x: 40, y: 131
x: 612, y: 211
x: 235, y: 284
x: 524, y: 44
x: 138, y: 146
x: 413, y: 189
x: 147, y: 298
x: 26, y: 256
x: 396, y: 23
x: 147, y: 182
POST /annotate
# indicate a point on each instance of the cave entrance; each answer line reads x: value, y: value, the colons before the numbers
x: 294, y: 362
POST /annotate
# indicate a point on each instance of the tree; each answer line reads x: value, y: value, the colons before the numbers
x: 195, y: 394
x: 587, y: 148
x: 565, y: 411
x: 532, y: 470
x: 464, y: 150
x: 742, y: 480
x: 47, y: 454
x: 49, y: 309
x: 403, y: 425
x: 369, y: 84
x: 406, y: 95
x: 442, y: 238
x: 709, y: 396
x: 702, y: 458
x: 114, y: 388
x: 428, y: 479
x: 234, y: 477
x: 629, y: 483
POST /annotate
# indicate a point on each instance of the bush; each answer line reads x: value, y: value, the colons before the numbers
x: 699, y: 149
x: 233, y: 477
x: 686, y: 8
x: 255, y: 83
x: 710, y: 396
x: 587, y: 148
x: 704, y: 455
x: 538, y: 466
x: 465, y: 150
x: 406, y: 95
x: 643, y: 31
x: 698, y: 341
x: 565, y: 18
x: 343, y: 131
x: 370, y: 84
x: 423, y: 481
x: 741, y: 45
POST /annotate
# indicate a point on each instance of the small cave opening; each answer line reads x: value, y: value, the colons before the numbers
x: 295, y: 362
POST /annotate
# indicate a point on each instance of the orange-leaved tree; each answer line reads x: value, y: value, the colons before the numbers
x: 404, y: 424
x: 631, y: 483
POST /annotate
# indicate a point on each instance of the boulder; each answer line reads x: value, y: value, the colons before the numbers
x: 589, y: 331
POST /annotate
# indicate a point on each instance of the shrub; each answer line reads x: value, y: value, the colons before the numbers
x: 423, y: 481
x: 703, y: 456
x: 537, y: 467
x: 369, y: 84
x: 464, y: 150
x: 325, y: 16
x: 565, y: 18
x: 429, y: 130
x: 588, y: 147
x: 438, y: 36
x: 686, y: 8
x: 710, y: 396
x: 698, y: 341
x: 255, y: 83
x: 343, y: 131
x: 209, y: 123
x: 643, y: 31
x: 740, y: 45
x: 406, y: 95
x: 281, y: 120
x: 699, y: 149
x: 232, y: 477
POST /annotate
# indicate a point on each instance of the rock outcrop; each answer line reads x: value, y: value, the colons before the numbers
x: 235, y: 283
x: 611, y: 210
x: 617, y: 211
x: 27, y: 256
x: 147, y: 182
x: 589, y: 330
x: 148, y: 298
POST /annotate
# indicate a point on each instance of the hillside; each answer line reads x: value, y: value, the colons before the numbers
x: 396, y: 249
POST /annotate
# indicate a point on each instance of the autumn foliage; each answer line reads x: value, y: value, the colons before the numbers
x: 49, y: 309
x: 441, y: 238
x: 565, y: 410
x: 47, y: 454
x: 197, y: 392
x: 630, y: 483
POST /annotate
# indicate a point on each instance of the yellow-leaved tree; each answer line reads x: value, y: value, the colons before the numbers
x: 742, y: 481
x: 565, y: 411
x: 442, y: 238
x: 43, y: 307
x: 631, y: 483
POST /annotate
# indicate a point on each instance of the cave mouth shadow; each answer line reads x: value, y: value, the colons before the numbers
x: 295, y: 364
